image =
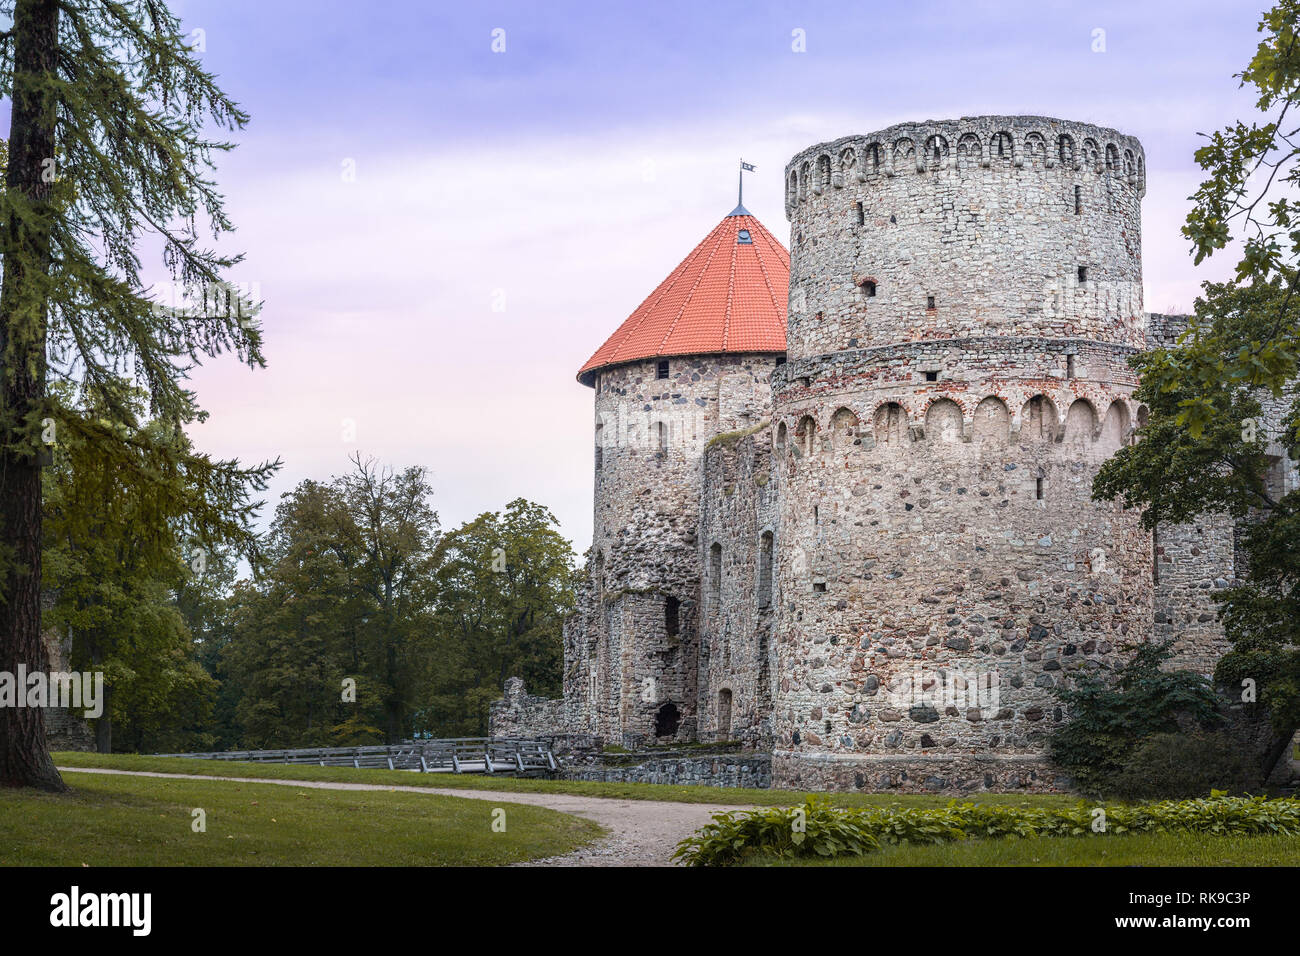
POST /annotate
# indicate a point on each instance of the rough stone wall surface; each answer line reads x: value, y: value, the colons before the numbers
x: 942, y: 565
x: 738, y: 522
x: 726, y: 770
x: 964, y: 297
x: 993, y: 217
x: 520, y: 714
x: 634, y: 642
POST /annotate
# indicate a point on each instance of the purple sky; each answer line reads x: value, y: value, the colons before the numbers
x: 510, y: 209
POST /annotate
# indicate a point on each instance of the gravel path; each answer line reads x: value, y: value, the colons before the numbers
x: 642, y: 832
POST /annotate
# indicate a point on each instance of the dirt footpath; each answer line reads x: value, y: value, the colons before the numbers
x: 642, y: 832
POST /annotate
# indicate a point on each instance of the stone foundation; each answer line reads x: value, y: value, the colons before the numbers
x: 917, y: 773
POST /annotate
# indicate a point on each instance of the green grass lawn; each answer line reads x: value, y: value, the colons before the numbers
x: 1139, y: 849
x: 623, y: 791
x: 147, y: 821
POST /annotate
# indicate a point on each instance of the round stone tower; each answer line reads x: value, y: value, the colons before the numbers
x: 963, y: 297
x: 693, y: 361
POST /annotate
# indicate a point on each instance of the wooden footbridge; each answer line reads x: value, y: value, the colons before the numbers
x: 459, y: 755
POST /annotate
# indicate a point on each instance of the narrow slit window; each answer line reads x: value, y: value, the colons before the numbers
x: 1069, y: 366
x: 672, y: 616
x: 858, y: 213
x: 1038, y: 488
x: 1078, y: 200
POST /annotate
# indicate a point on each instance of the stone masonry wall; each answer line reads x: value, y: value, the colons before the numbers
x: 954, y: 383
x: 634, y: 642
x: 520, y: 714
x: 738, y: 523
x: 990, y: 225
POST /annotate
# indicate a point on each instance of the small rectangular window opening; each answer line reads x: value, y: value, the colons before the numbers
x: 929, y: 302
x: 858, y: 213
x: 869, y: 289
x: 1038, y: 488
x: 663, y: 370
x: 780, y: 360
x: 932, y: 376
x: 1078, y: 200
x: 1083, y: 274
x: 819, y: 587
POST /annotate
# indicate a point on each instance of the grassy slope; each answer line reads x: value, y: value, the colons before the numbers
x: 146, y: 821
x: 624, y: 791
x: 1142, y: 849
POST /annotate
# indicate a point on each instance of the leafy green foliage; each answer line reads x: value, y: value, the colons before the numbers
x: 505, y: 583
x: 343, y: 595
x: 122, y: 540
x: 1206, y: 449
x: 1108, y: 719
x: 1181, y: 765
x: 816, y: 829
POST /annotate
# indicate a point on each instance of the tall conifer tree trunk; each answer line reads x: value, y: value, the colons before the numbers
x: 25, y: 245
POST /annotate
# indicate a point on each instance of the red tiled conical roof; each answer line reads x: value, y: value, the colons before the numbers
x: 726, y: 296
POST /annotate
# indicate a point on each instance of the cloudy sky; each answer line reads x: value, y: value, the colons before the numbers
x: 444, y: 233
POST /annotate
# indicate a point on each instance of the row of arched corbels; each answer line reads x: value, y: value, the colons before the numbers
x: 1067, y: 415
x: 840, y: 163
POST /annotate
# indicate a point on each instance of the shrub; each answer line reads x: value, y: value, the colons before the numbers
x: 817, y: 829
x: 1109, y: 719
x: 1175, y: 766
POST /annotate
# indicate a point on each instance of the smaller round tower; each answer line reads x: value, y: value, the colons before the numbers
x: 693, y: 361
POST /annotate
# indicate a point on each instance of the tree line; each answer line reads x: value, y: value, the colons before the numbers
x: 361, y: 620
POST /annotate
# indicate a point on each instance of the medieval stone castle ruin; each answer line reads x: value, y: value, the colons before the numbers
x: 843, y: 505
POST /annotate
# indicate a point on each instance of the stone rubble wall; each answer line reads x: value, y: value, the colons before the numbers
x: 994, y: 238
x: 520, y: 714
x: 632, y: 649
x: 710, y: 770
x: 737, y: 656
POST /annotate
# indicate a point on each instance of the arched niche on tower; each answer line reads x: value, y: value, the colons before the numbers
x: 1081, y: 423
x: 943, y: 421
x: 1115, y: 426
x: 992, y: 423
x: 889, y: 426
x: 1038, y: 420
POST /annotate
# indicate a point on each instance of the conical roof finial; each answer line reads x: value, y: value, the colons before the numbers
x: 740, y: 209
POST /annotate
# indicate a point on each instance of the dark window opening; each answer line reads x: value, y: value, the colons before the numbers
x: 869, y: 289
x: 672, y: 616
x: 936, y: 153
x: 663, y: 370
x: 715, y: 574
x: 819, y: 587
x: 667, y: 720
x: 858, y: 213
x: 1038, y: 488
x: 929, y: 302
x: 765, y: 570
x: 817, y: 515
x: 1078, y: 200
x: 932, y: 376
x: 780, y: 360
x: 1083, y: 274
x: 1069, y: 366
x: 1155, y: 557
